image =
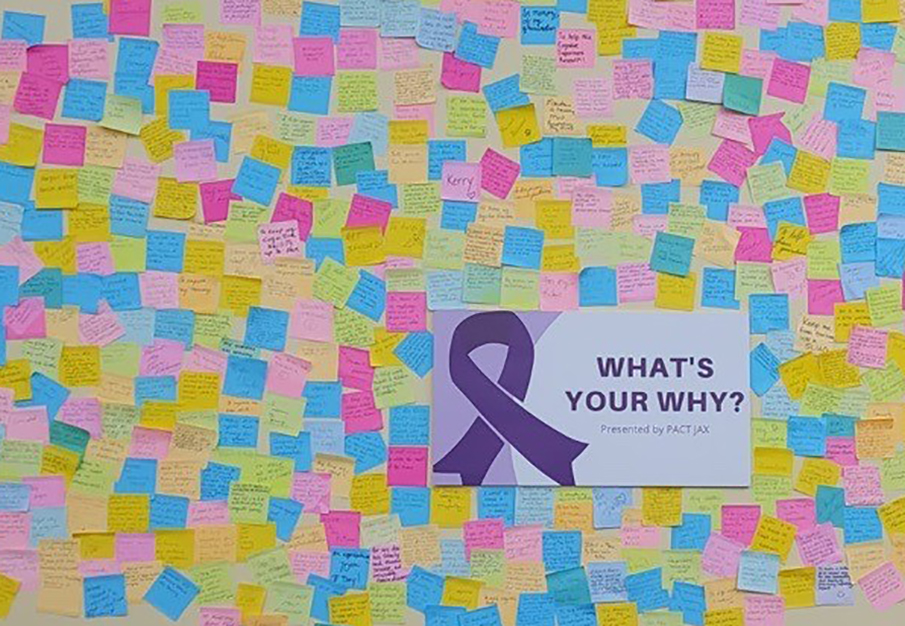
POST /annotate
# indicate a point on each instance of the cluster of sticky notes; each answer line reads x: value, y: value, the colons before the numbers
x: 225, y: 225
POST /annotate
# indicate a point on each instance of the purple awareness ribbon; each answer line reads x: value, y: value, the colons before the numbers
x: 501, y: 417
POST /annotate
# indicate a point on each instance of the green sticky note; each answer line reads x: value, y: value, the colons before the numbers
x: 350, y: 159
x: 481, y: 284
x: 742, y: 94
x: 123, y: 114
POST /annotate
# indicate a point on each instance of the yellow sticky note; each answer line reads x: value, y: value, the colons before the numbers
x: 405, y: 237
x: 370, y: 494
x: 661, y: 506
x: 797, y: 373
x: 353, y: 609
x: 675, y: 292
x: 250, y: 599
x: 271, y: 84
x: 518, y: 126
x: 450, y: 506
x: 773, y: 461
x: 272, y: 151
x: 462, y: 592
x: 175, y: 547
x: 722, y: 52
x: 816, y: 472
x: 617, y: 614
x: 892, y: 514
x: 408, y: 132
x: 774, y: 535
x: 9, y: 588
x: 873, y: 11
x: 791, y: 240
x: 23, y: 146
x: 608, y: 135
x: 56, y: 188
x: 163, y: 84
x: 797, y: 586
x: 843, y: 40
x: 363, y: 246
x: 80, y: 366
x: 128, y: 513
x: 175, y: 200
x: 16, y: 375
x: 810, y: 173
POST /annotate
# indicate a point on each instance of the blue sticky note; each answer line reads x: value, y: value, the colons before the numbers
x: 368, y: 449
x: 47, y: 523
x: 717, y: 196
x: 168, y: 511
x: 311, y: 166
x: 758, y: 572
x: 216, y: 479
x: 371, y: 127
x: 497, y: 503
x: 436, y: 30
x: 845, y: 10
x: 806, y: 436
x: 266, y: 328
x: 128, y: 217
x: 839, y: 425
x: 350, y: 567
x: 537, y: 158
x: 83, y: 291
x: 439, y: 151
x: 780, y: 151
x: 718, y: 289
x: 320, y: 20
x: 171, y: 593
x: 47, y: 284
x: 784, y: 210
x: 772, y: 40
x: 861, y: 525
x: 324, y: 589
x: 655, y: 197
x: 323, y: 399
x: 690, y: 600
x: 165, y: 250
x: 150, y: 388
x: 320, y: 248
x: 27, y: 26
x: 891, y: 131
x: 411, y: 504
x: 84, y: 99
x: 436, y: 615
x: 671, y: 254
x: 539, y: 25
x: 843, y: 102
x: 890, y: 258
x: 640, y: 48
x: 457, y: 215
x: 351, y: 158
x: 764, y: 369
x: 573, y: 156
x: 645, y: 588
x: 137, y: 476
x: 135, y: 86
x: 610, y: 166
x: 122, y: 291
x: 416, y: 352
x: 285, y: 514
x: 297, y: 448
x: 522, y: 246
x: 607, y: 581
x: 175, y: 325
x: 89, y: 21
x: 674, y: 44
x: 189, y: 108
x: 105, y: 596
x: 136, y: 56
x: 857, y: 278
x: 803, y: 42
x: 475, y: 47
x: 506, y: 93
x: 569, y: 586
x: 484, y: 616
x: 890, y: 199
x: 256, y: 181
x: 534, y: 506
x: 830, y: 505
x: 221, y: 134
x: 692, y: 533
x: 409, y: 425
x: 15, y: 183
x: 9, y: 285
x: 399, y: 18
x: 858, y: 242
x: 855, y: 139
x: 879, y: 36
x: 535, y: 609
x: 422, y: 589
x: 14, y: 497
x: 561, y: 550
x: 768, y: 311
x: 597, y: 286
x: 375, y: 184
x: 245, y: 377
x: 310, y: 94
x: 237, y: 431
x: 369, y: 296
x: 670, y: 78
x: 576, y: 615
x: 660, y: 122
x: 609, y: 503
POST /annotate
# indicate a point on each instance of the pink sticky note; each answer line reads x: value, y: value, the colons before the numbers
x: 790, y: 277
x: 287, y: 374
x: 812, y: 11
x: 746, y: 215
x: 761, y: 610
x: 215, y: 199
x: 818, y: 545
x: 523, y: 544
x: 311, y: 320
x: 101, y: 329
x: 303, y: 564
x: 279, y: 240
x: 135, y: 547
x: 460, y: 181
x: 208, y: 513
x: 406, y: 311
x: 801, y: 512
x: 247, y: 12
x: 86, y: 413
x: 499, y: 18
x: 21, y: 255
x: 89, y: 58
x: 150, y: 443
x: 558, y: 291
x: 789, y: 81
x: 29, y: 424
x: 94, y: 258
x: 273, y: 44
x: 593, y: 97
x: 50, y: 61
x: 313, y: 56
x: 173, y: 64
x: 37, y: 95
x: 6, y: 114
x: 25, y: 320
x: 333, y: 131
x: 822, y: 212
x: 841, y: 450
x: 365, y: 211
x: 592, y: 207
x: 482, y: 534
x: 312, y: 491
x: 721, y: 556
x: 217, y: 616
x: 862, y: 485
x: 498, y: 173
x: 64, y: 144
x: 15, y: 530
x: 195, y: 161
x: 357, y: 49
x: 416, y: 112
x: 407, y: 467
x: 715, y: 14
x: 639, y: 536
x: 386, y: 563
x: 13, y: 55
x: 649, y: 164
x: 731, y: 125
x: 649, y: 225
x: 359, y: 412
x: 23, y: 565
x: 343, y: 528
x: 355, y: 370
x: 575, y: 47
x: 823, y: 296
x: 46, y: 491
x: 137, y: 179
x: 765, y: 128
x: 99, y: 567
x: 203, y: 359
x: 161, y: 358
x: 754, y: 245
x: 633, y: 80
x: 883, y: 587
x: 635, y: 282
x: 756, y: 63
x: 186, y: 40
x: 159, y: 290
x: 819, y: 137
x: 398, y: 53
x: 874, y: 68
x: 867, y: 347
x: 731, y: 161
x: 130, y: 17
x: 760, y: 14
x: 217, y: 78
x: 739, y: 522
x: 459, y: 75
x: 295, y: 209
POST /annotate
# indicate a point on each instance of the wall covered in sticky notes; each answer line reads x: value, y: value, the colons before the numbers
x: 225, y: 226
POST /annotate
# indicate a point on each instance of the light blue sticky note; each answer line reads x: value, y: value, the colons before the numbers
x: 660, y: 122
x: 573, y: 156
x: 368, y: 449
x: 758, y: 572
x: 539, y: 25
x: 609, y: 503
x: 84, y: 99
x: 422, y: 589
x: 718, y: 289
x: 105, y: 596
x: 256, y: 181
x: 764, y: 369
x: 436, y: 30
x: 444, y: 290
x: 607, y: 581
x: 671, y: 254
x: 245, y: 377
x: 312, y: 166
x: 506, y: 93
x: 692, y: 533
x: 610, y: 166
x: 475, y: 47
x: 561, y: 549
x: 569, y: 586
x: 189, y: 109
x: 522, y: 246
x: 597, y: 287
x: 768, y: 311
x: 717, y: 195
x: 412, y: 505
x: 534, y: 506
x: 320, y: 20
x: 843, y: 102
x: 27, y: 26
x: 266, y: 328
x: 806, y: 436
x: 535, y: 609
x: 497, y: 503
x: 891, y: 131
x: 410, y: 425
x: 310, y: 94
x: 416, y: 351
x: 171, y: 593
